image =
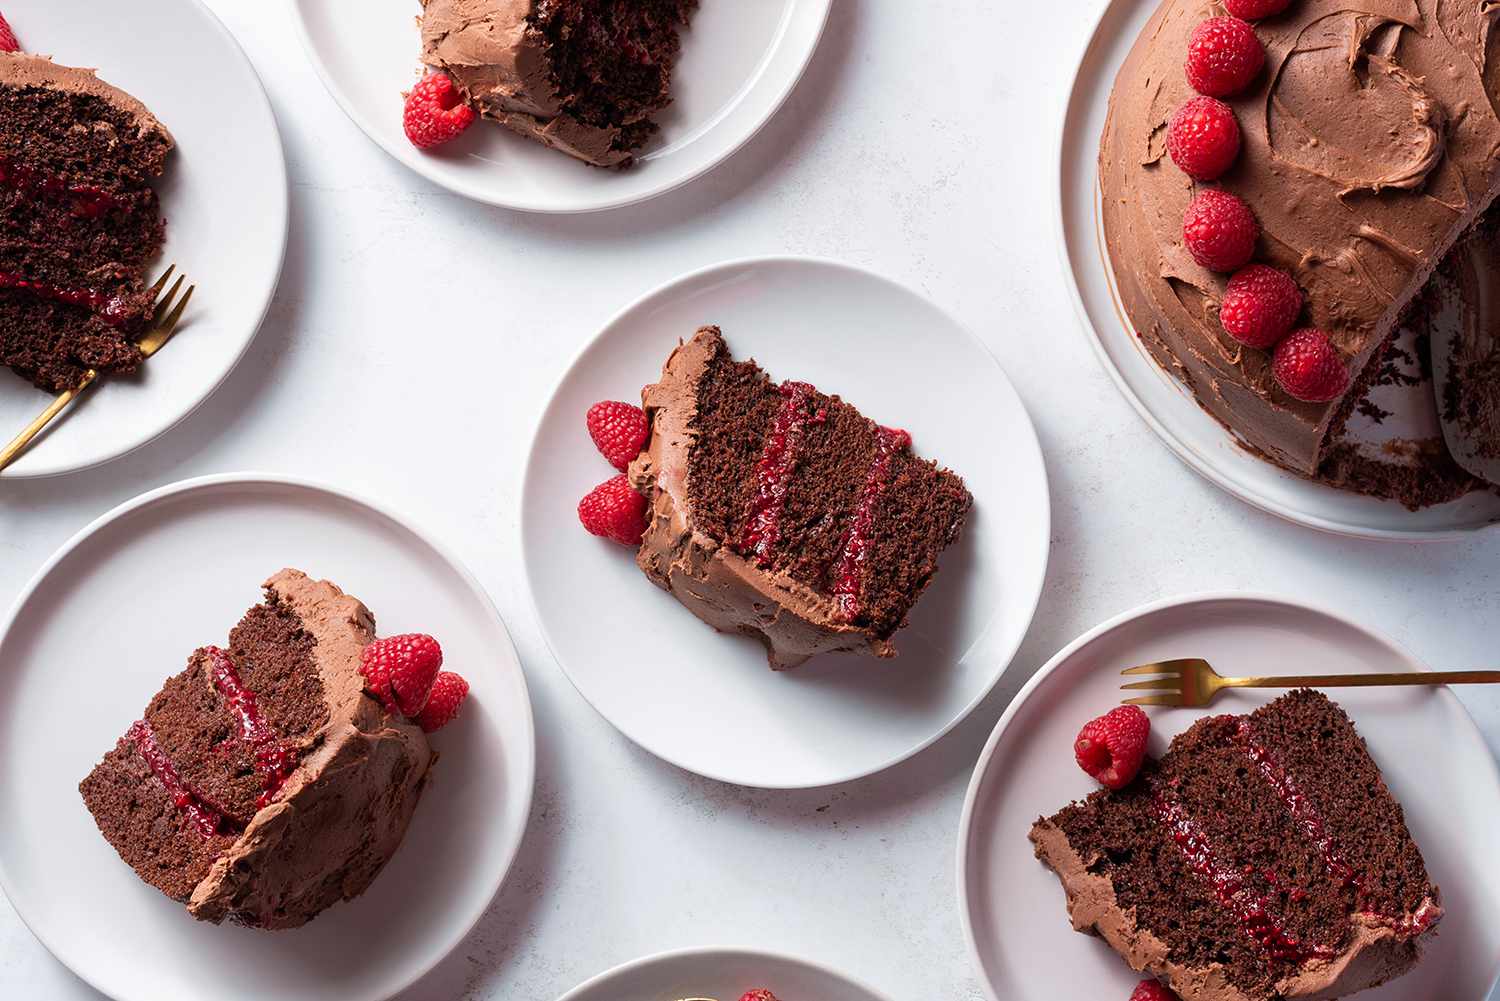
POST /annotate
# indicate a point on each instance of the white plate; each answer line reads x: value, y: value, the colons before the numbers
x: 707, y: 702
x: 1432, y: 756
x: 739, y: 62
x: 116, y: 611
x: 224, y: 197
x: 724, y: 974
x: 1161, y: 400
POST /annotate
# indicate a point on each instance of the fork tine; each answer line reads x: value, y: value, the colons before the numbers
x: 1155, y: 700
x: 165, y: 302
x: 169, y: 323
x: 1173, y: 684
x: 1176, y: 666
x: 161, y: 282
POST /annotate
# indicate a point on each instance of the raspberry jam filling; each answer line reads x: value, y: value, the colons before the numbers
x: 110, y: 309
x: 88, y: 201
x: 849, y: 571
x: 204, y: 818
x: 274, y: 760
x: 773, y: 473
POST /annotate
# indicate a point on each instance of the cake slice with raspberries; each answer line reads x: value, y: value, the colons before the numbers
x: 1262, y: 857
x: 276, y: 775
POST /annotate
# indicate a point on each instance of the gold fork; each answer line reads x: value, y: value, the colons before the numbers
x: 1191, y: 682
x: 164, y: 319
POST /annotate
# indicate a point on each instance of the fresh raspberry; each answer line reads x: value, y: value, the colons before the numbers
x: 400, y: 670
x: 760, y: 994
x: 448, y: 692
x: 1112, y: 747
x: 1219, y: 230
x: 1260, y: 305
x: 435, y: 112
x: 619, y: 431
x: 8, y: 41
x: 1152, y: 990
x: 614, y: 510
x: 1203, y: 138
x: 1223, y: 56
x: 1251, y: 10
x: 1309, y: 367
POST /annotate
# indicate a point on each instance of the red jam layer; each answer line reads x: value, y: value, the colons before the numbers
x: 773, y: 473
x: 849, y: 570
x: 204, y: 818
x: 274, y: 760
x: 1230, y: 887
x: 88, y: 201
x: 110, y: 309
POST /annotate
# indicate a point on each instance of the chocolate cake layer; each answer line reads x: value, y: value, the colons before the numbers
x: 79, y: 220
x: 782, y: 512
x: 1262, y: 857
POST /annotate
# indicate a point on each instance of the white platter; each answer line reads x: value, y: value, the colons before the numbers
x: 708, y: 702
x: 1433, y: 758
x: 224, y: 197
x: 721, y: 974
x: 1162, y: 402
x: 115, y: 612
x: 739, y: 62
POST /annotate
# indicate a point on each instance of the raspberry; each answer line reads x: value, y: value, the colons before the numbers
x: 435, y: 112
x: 1309, y: 367
x: 1250, y: 10
x: 1219, y: 230
x: 1203, y: 138
x: 1152, y: 990
x: 760, y: 994
x: 1112, y: 747
x: 400, y: 670
x: 8, y: 41
x: 615, y: 511
x: 448, y: 693
x: 619, y: 431
x: 1260, y: 305
x: 1223, y: 56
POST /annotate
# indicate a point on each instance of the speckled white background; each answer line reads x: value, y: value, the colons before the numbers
x: 919, y: 145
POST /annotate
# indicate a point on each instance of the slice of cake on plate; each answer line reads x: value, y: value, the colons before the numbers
x: 79, y: 221
x: 781, y: 512
x: 1262, y: 857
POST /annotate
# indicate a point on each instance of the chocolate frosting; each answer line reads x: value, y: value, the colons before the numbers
x: 1375, y: 953
x: 500, y: 61
x: 342, y: 813
x: 711, y: 580
x: 1369, y: 145
x: 22, y: 70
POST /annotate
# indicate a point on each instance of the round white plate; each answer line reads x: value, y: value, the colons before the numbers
x: 708, y: 702
x: 1433, y: 758
x: 224, y: 196
x: 722, y: 974
x: 115, y: 612
x: 1161, y: 400
x: 739, y: 62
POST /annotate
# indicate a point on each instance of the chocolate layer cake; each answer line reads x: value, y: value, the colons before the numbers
x: 582, y: 76
x: 263, y: 784
x: 79, y: 221
x: 1368, y: 148
x: 1262, y: 858
x: 782, y: 512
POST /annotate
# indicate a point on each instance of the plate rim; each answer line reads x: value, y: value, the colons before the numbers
x: 282, y: 206
x: 1071, y: 102
x: 534, y: 458
x: 818, y: 10
x: 699, y: 952
x: 1089, y: 636
x: 255, y: 478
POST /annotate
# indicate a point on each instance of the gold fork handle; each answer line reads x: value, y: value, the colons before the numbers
x: 19, y: 443
x: 1369, y: 680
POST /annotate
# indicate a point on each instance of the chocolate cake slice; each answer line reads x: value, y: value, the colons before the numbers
x: 581, y: 76
x: 262, y: 784
x: 1262, y: 858
x: 781, y: 512
x: 79, y: 221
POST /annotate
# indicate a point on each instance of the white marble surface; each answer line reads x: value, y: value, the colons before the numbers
x: 917, y: 145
